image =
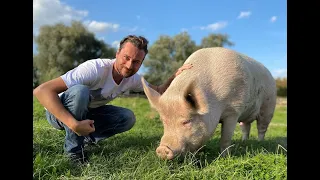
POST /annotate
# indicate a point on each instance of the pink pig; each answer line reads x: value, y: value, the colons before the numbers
x: 223, y: 86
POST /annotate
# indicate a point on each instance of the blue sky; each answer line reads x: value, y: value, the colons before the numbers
x: 257, y: 27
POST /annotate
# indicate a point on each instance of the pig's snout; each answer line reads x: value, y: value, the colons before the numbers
x: 165, y: 152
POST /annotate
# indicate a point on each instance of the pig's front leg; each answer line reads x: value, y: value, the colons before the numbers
x: 228, y: 126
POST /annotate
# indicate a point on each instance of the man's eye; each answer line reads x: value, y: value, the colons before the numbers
x: 127, y: 57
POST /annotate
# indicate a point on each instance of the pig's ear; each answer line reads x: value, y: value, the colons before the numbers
x: 152, y: 95
x: 194, y: 96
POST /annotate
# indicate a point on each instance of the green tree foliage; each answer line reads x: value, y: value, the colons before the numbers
x: 61, y: 48
x: 35, y: 75
x: 159, y: 59
x: 167, y: 54
x: 216, y: 40
x: 281, y: 86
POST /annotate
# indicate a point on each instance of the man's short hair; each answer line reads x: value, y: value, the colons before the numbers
x: 138, y: 41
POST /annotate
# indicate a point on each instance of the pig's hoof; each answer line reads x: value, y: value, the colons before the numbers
x: 164, y: 152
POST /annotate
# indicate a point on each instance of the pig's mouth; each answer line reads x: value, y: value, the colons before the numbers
x: 167, y: 153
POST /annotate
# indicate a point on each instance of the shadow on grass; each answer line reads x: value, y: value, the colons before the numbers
x: 210, y: 152
x: 142, y: 143
x: 109, y: 149
x: 123, y: 143
x: 113, y: 148
x: 45, y: 148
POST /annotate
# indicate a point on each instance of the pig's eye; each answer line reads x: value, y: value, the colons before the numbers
x: 186, y: 122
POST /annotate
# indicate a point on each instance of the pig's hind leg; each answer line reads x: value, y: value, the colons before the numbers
x: 262, y: 125
x: 265, y: 116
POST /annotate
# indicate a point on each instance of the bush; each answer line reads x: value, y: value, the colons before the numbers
x: 281, y: 87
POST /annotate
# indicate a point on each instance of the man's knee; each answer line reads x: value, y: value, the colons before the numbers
x: 79, y: 93
x: 76, y: 99
x: 129, y: 118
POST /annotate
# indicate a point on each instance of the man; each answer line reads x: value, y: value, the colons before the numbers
x: 77, y: 100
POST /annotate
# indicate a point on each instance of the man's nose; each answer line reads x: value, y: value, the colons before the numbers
x: 129, y: 64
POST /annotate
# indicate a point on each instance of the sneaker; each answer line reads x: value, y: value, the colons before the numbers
x: 89, y: 142
x: 80, y: 157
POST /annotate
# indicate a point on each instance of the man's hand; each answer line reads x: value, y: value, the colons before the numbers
x: 184, y: 67
x: 83, y: 128
x: 162, y: 88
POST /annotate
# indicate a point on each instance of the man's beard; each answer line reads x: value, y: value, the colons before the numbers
x: 128, y: 73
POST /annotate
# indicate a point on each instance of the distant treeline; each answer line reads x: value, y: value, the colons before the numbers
x: 61, y: 48
x: 281, y: 86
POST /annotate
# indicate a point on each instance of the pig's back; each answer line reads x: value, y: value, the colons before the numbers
x: 230, y: 77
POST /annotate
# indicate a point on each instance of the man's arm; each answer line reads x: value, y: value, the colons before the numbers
x: 163, y: 87
x: 47, y: 94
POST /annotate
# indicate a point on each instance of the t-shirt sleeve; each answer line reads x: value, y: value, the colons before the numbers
x: 86, y: 74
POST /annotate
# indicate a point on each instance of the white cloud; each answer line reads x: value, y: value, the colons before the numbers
x: 244, y: 14
x: 97, y: 27
x: 215, y: 26
x: 280, y: 73
x: 273, y: 19
x: 115, y: 44
x: 53, y: 11
x: 49, y: 12
x: 184, y: 30
x: 133, y: 29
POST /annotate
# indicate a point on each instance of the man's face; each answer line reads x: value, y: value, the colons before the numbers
x: 129, y: 59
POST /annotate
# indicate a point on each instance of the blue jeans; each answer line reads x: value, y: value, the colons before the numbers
x: 108, y: 120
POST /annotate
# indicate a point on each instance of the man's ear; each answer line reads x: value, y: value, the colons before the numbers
x: 117, y: 53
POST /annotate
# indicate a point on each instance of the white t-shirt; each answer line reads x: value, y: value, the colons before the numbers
x: 97, y: 75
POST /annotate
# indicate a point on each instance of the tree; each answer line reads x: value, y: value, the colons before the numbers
x: 183, y: 47
x: 35, y: 75
x: 216, y: 40
x: 281, y: 84
x: 166, y: 55
x: 61, y: 48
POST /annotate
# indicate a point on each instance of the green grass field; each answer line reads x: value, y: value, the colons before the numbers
x: 131, y: 155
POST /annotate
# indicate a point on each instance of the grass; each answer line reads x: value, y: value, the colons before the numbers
x: 131, y: 155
